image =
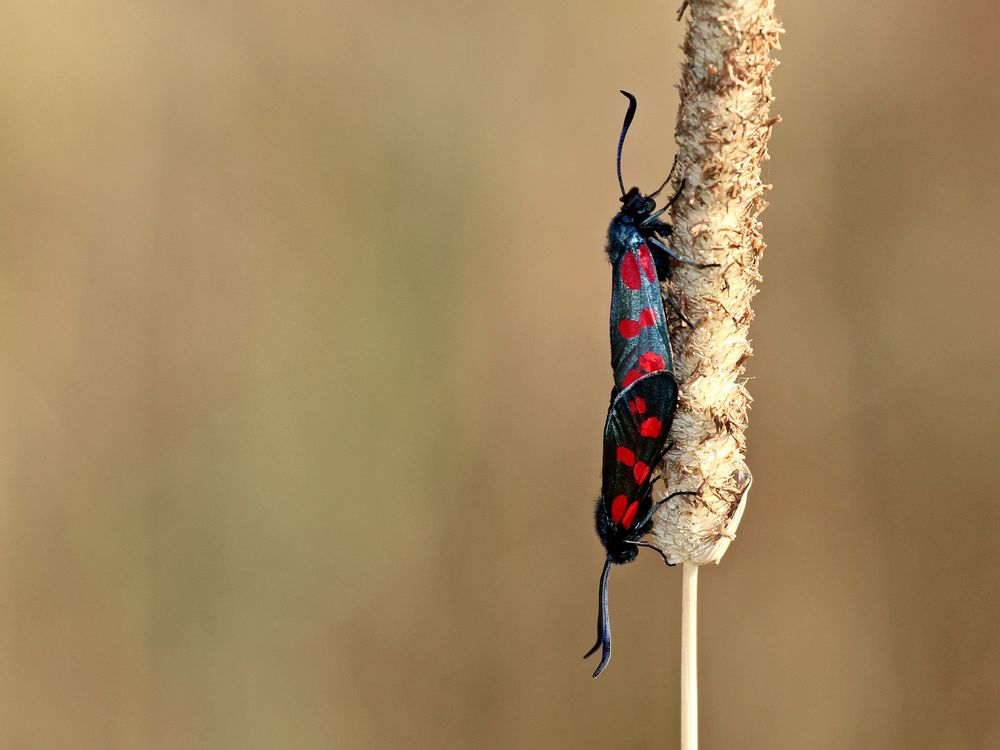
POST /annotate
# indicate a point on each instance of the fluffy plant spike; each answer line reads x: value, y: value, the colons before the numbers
x: 723, y: 126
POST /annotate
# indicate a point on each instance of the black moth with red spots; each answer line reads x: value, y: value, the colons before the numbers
x: 645, y: 392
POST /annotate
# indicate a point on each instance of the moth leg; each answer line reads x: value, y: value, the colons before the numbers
x: 656, y: 507
x: 653, y: 226
x: 652, y: 223
x: 660, y: 259
x: 676, y: 309
x: 686, y: 261
x: 671, y: 496
x: 662, y: 262
x: 655, y: 549
x: 675, y: 196
x: 680, y: 189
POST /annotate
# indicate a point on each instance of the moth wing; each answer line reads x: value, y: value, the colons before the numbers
x: 635, y: 434
x: 639, y: 339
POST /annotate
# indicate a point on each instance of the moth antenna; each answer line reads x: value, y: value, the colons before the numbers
x: 621, y: 140
x: 603, y: 621
x: 601, y: 597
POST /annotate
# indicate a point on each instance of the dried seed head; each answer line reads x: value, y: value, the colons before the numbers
x: 722, y: 130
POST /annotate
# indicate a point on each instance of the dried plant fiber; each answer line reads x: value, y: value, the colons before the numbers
x: 723, y: 126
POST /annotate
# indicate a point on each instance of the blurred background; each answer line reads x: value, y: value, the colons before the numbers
x: 304, y: 317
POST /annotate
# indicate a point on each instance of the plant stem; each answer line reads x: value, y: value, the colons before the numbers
x: 689, y: 657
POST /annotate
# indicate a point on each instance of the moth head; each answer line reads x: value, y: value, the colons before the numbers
x: 637, y: 205
x: 622, y: 552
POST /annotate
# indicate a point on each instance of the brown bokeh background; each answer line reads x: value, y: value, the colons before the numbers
x: 305, y: 364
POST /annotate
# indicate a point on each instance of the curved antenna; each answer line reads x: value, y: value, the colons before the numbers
x: 621, y: 140
x: 603, y: 621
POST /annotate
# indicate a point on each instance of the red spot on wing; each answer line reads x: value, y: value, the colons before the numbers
x: 651, y: 362
x: 626, y: 456
x: 630, y: 377
x: 630, y: 272
x: 647, y: 317
x: 629, y: 516
x: 637, y: 405
x: 629, y: 328
x: 651, y: 427
x: 641, y: 471
x: 618, y: 508
x: 648, y: 267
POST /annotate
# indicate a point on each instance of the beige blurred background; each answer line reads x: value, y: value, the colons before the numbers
x: 304, y: 314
